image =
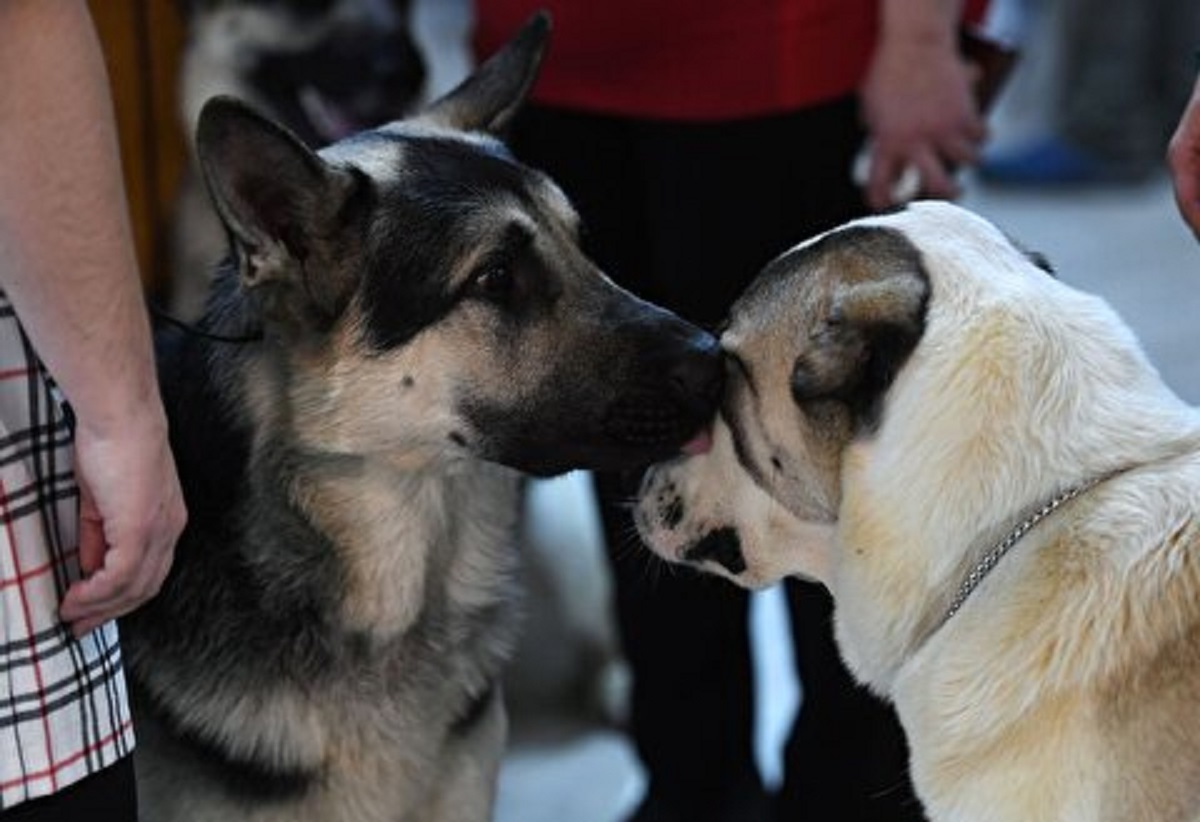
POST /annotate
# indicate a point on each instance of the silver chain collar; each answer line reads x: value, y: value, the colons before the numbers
x: 993, y: 557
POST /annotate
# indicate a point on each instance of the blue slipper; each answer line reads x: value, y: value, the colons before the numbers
x: 1043, y: 161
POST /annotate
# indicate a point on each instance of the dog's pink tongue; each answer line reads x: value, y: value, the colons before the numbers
x: 699, y: 444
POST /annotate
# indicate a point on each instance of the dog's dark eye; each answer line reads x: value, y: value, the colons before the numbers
x: 493, y: 282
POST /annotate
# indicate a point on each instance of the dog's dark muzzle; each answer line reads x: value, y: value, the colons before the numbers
x: 679, y: 396
x: 635, y: 393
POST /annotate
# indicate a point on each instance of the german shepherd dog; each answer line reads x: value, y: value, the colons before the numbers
x: 325, y: 69
x: 406, y: 322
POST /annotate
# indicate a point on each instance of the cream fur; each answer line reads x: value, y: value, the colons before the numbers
x: 1068, y: 686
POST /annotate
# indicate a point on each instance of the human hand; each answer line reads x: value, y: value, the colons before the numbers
x: 131, y: 513
x: 921, y: 114
x: 1183, y: 158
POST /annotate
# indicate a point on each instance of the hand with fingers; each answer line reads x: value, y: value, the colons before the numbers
x: 918, y: 103
x: 1183, y: 158
x: 131, y: 513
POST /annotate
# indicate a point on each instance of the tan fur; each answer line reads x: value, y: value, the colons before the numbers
x: 1068, y: 686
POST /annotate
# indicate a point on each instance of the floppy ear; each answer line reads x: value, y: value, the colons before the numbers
x: 277, y: 199
x: 489, y: 98
x: 870, y: 328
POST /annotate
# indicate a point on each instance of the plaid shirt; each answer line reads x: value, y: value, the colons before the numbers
x: 63, y: 707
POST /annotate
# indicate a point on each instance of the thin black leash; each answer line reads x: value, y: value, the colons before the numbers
x: 162, y: 316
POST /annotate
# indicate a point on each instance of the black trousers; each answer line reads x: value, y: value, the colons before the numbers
x: 106, y: 796
x: 685, y: 215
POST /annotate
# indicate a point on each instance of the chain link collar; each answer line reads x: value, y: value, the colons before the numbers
x: 992, y: 558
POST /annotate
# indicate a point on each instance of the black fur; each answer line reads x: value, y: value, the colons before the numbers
x: 872, y: 348
x: 722, y: 546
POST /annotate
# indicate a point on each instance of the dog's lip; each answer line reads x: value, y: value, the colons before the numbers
x: 701, y: 443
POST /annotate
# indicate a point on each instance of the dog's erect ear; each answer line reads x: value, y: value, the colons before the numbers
x: 275, y: 196
x: 489, y: 99
x: 869, y: 329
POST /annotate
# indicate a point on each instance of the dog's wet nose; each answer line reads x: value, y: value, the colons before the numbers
x: 697, y: 374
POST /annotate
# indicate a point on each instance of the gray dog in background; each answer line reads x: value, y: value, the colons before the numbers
x: 324, y: 69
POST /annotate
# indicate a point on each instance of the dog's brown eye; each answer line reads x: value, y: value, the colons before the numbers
x: 496, y: 277
x: 493, y: 282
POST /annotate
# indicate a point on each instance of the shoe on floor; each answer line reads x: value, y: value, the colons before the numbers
x: 1044, y: 161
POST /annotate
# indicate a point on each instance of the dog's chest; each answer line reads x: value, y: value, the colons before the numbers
x: 421, y: 619
x: 408, y: 545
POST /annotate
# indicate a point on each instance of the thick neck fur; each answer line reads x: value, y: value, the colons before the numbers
x: 391, y: 525
x: 1020, y: 389
x: 310, y: 563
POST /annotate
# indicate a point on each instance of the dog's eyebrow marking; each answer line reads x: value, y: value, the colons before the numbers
x: 496, y: 247
x: 722, y: 546
x: 516, y: 236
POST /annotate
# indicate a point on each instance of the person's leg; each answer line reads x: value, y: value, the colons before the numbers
x: 686, y: 639
x: 684, y: 635
x: 730, y: 197
x: 1107, y: 105
x: 846, y: 759
x: 1178, y: 36
x: 106, y: 796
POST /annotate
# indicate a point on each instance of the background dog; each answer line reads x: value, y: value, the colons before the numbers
x: 325, y: 69
x: 999, y: 492
x: 406, y: 319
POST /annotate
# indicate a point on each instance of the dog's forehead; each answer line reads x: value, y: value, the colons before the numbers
x: 945, y: 230
x: 442, y: 204
x: 415, y: 156
x: 794, y: 287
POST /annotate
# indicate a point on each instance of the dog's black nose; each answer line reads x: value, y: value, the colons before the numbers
x: 676, y: 392
x: 696, y: 375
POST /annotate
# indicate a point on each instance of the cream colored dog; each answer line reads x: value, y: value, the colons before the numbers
x: 1002, y: 496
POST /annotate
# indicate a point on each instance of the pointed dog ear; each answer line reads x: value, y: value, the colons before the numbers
x: 869, y: 329
x: 276, y: 198
x: 491, y: 96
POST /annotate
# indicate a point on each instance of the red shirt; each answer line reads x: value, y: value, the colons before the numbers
x: 691, y: 59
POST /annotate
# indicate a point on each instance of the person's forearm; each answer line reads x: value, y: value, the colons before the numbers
x: 1183, y: 158
x: 66, y: 253
x: 919, y: 21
